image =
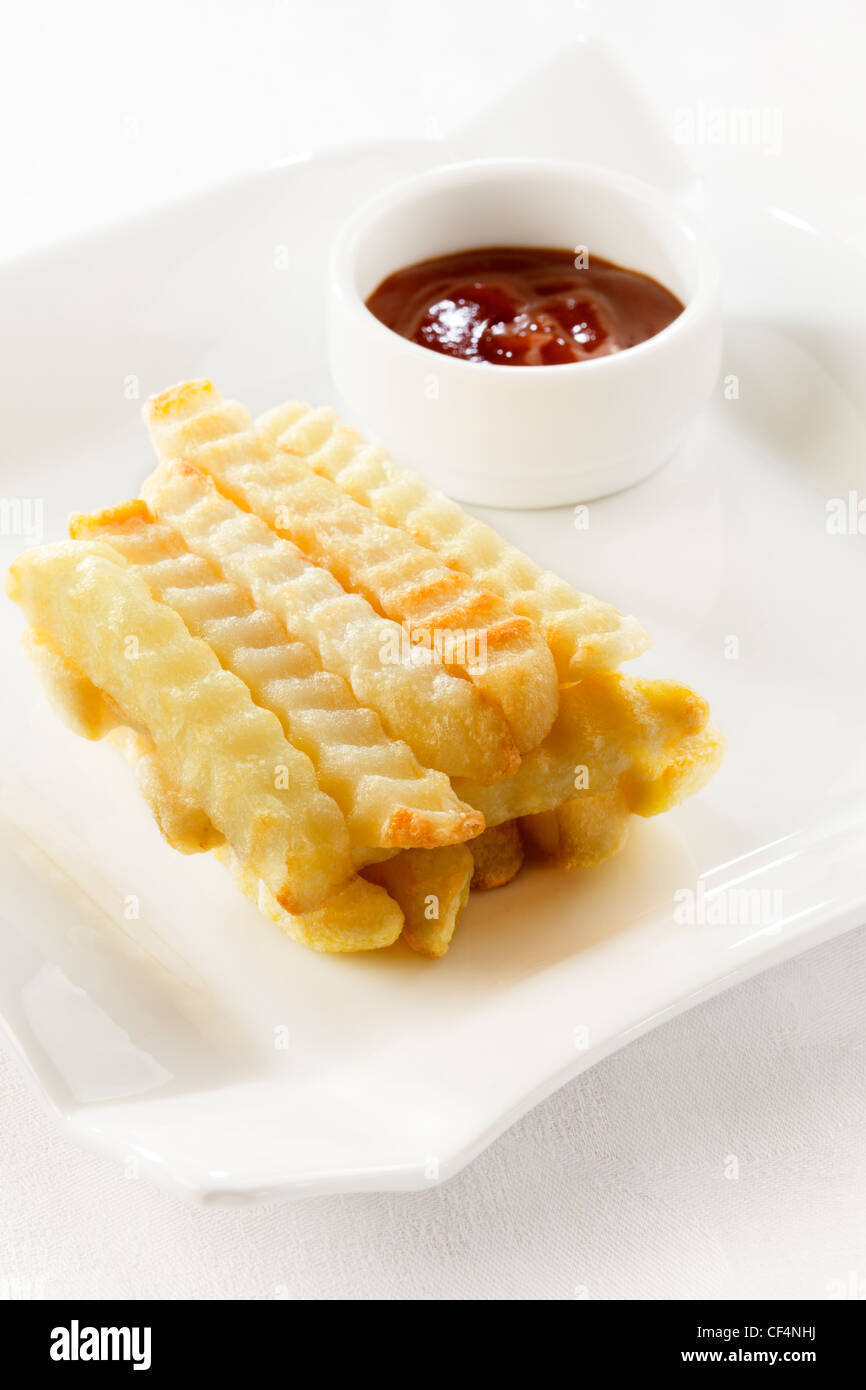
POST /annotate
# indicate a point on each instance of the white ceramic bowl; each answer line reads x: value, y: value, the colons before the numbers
x: 525, y: 436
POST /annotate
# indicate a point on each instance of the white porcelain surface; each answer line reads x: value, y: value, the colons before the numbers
x: 159, y: 1036
x: 526, y: 436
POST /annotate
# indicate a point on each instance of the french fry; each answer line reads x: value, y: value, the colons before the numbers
x: 84, y: 709
x: 581, y: 833
x: 92, y: 715
x: 386, y: 796
x: 471, y: 630
x: 584, y: 634
x: 497, y: 856
x: 189, y: 415
x: 687, y: 768
x: 445, y: 721
x: 182, y: 823
x: 296, y: 644
x: 540, y: 834
x: 586, y: 830
x: 188, y: 400
x: 360, y: 917
x: 432, y: 888
x: 228, y: 756
x: 611, y: 731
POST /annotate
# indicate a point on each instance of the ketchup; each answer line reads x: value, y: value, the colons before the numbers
x: 523, y: 306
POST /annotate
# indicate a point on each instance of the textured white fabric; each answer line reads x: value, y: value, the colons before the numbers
x: 616, y: 1187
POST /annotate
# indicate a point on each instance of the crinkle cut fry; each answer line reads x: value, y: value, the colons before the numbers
x: 387, y: 797
x: 611, y: 731
x: 84, y: 709
x: 681, y: 749
x: 91, y: 714
x: 581, y: 833
x: 584, y: 633
x: 182, y: 823
x: 444, y: 720
x: 360, y: 917
x: 686, y: 770
x: 585, y: 830
x: 228, y: 755
x: 442, y: 717
x: 472, y: 630
x: 432, y: 888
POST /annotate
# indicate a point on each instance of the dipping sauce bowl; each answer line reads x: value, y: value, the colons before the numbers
x: 526, y: 436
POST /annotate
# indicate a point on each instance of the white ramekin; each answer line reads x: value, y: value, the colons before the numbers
x: 525, y: 436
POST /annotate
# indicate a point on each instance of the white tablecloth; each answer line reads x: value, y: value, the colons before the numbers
x: 723, y: 1155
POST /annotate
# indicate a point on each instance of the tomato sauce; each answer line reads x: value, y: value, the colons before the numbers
x: 523, y: 306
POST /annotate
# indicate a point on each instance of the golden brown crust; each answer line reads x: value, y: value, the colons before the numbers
x: 187, y: 398
x: 124, y: 516
x: 410, y: 828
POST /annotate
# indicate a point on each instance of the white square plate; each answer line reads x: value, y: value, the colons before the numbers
x: 177, y: 1029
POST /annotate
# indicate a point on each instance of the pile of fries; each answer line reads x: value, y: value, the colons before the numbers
x: 360, y: 698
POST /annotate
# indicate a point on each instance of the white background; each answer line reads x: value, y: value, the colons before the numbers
x: 621, y: 1185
